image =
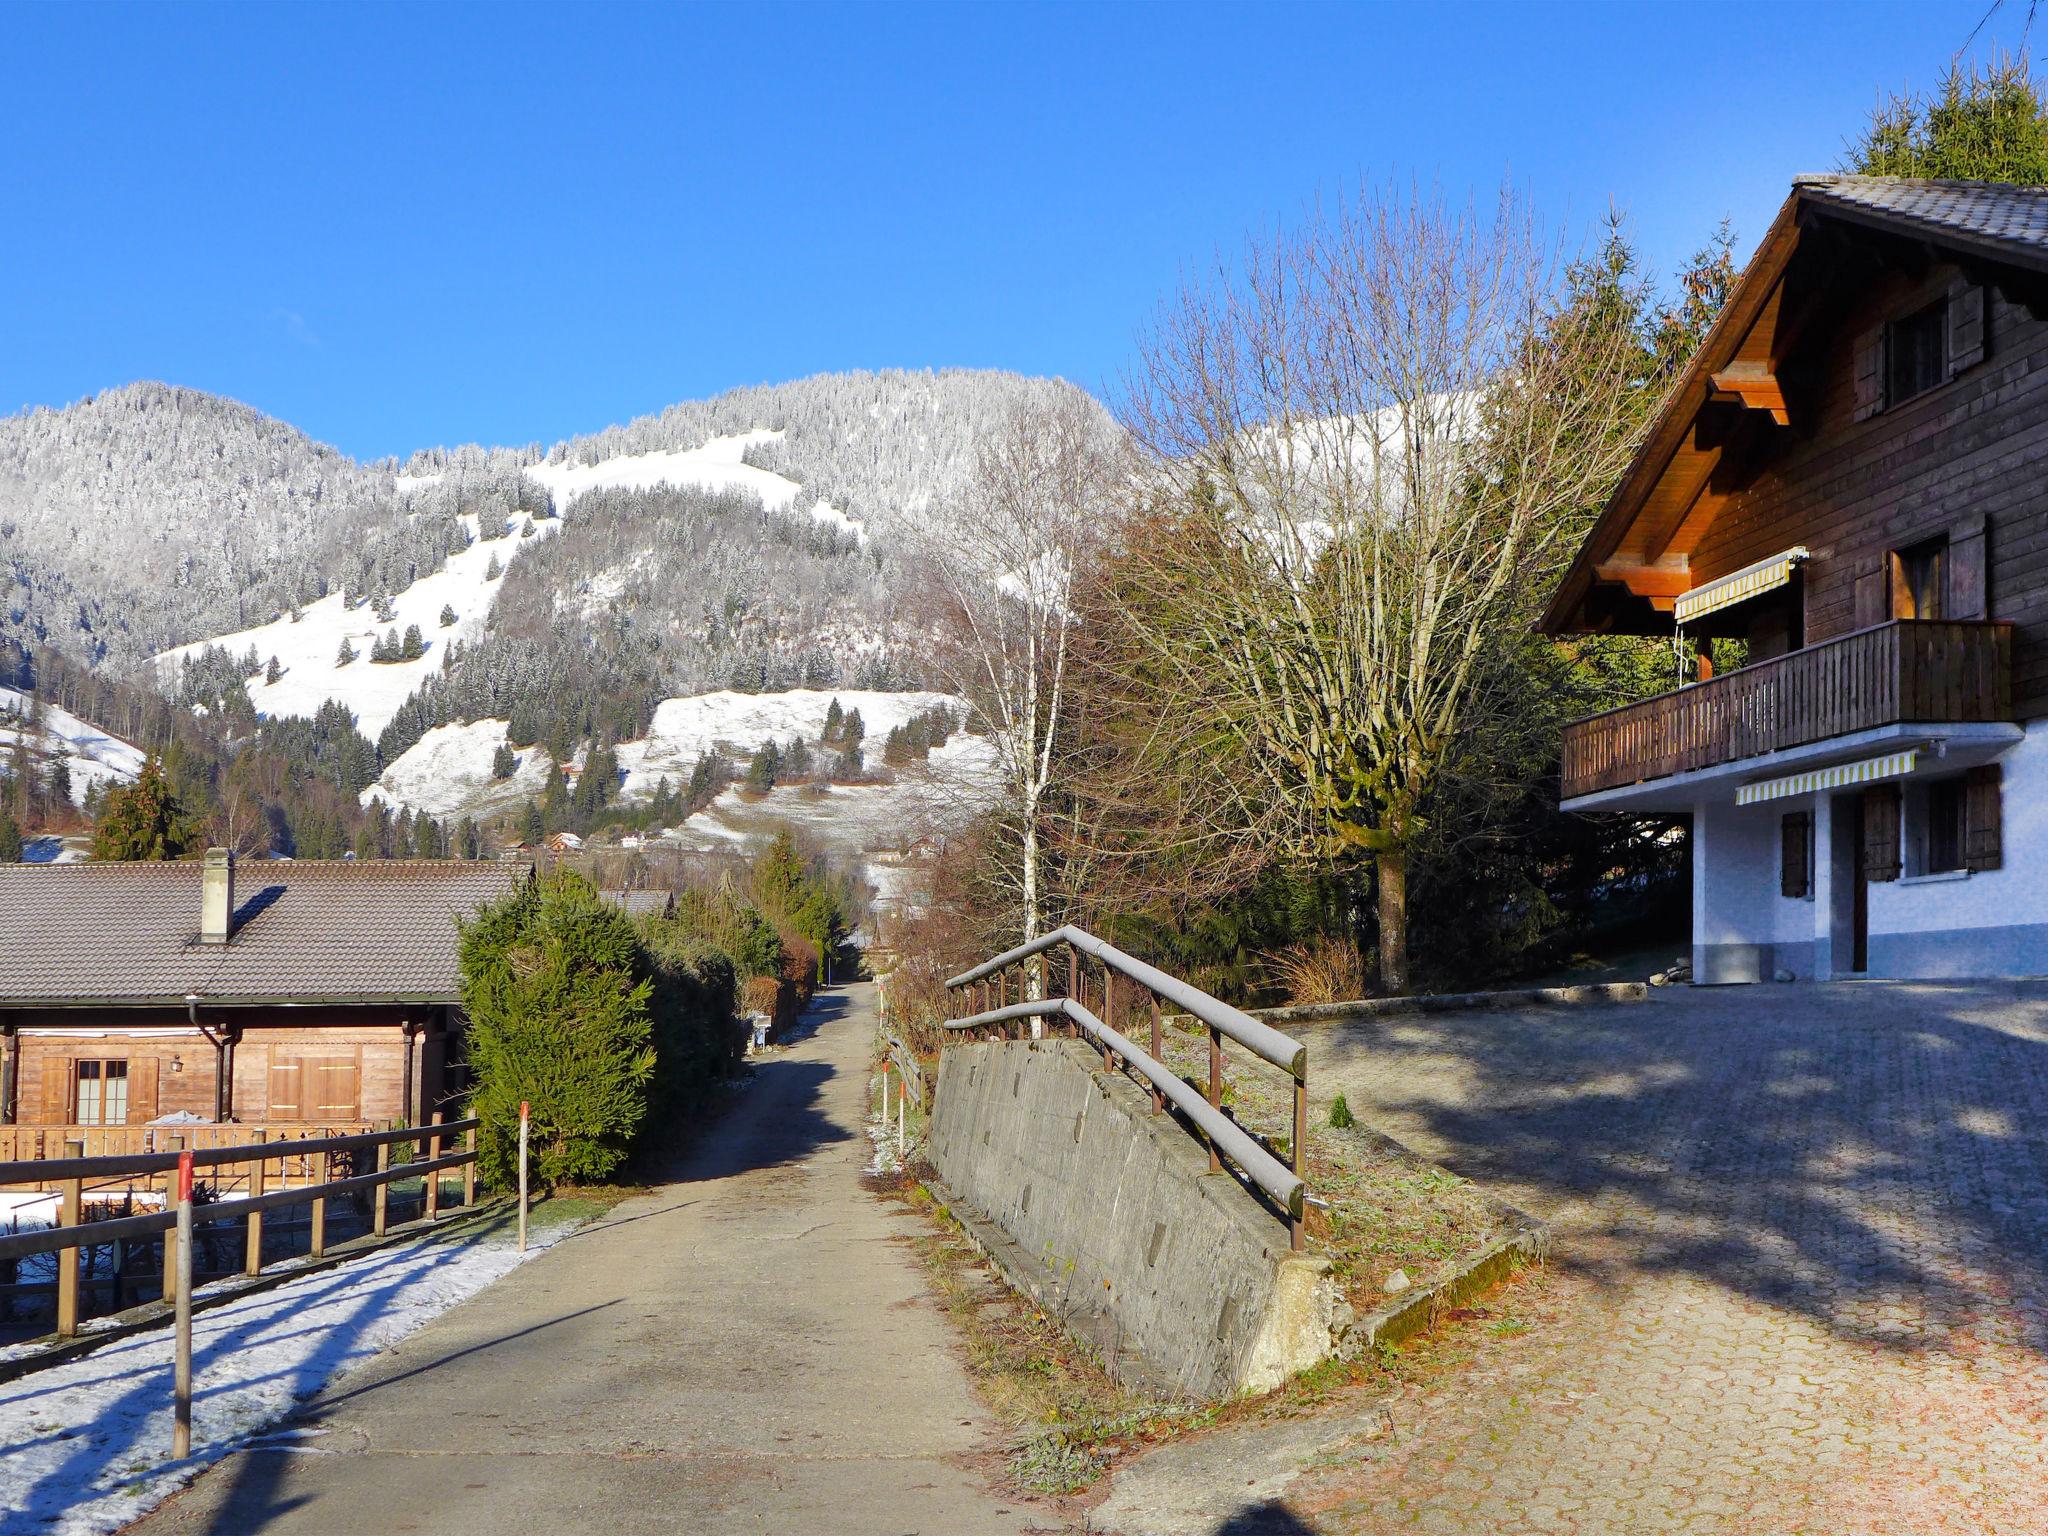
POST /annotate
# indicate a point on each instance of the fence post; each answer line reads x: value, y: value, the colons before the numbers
x: 318, y: 1243
x: 181, y: 1378
x: 70, y: 1211
x: 433, y: 1173
x: 1215, y: 1086
x: 170, y: 1246
x: 524, y: 1116
x: 469, y: 1170
x: 252, y: 1260
x: 1158, y: 1098
x: 902, y: 1110
x: 1297, y: 1237
x: 380, y: 1201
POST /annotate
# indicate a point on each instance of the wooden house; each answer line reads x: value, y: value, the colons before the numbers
x: 293, y: 995
x: 1847, y: 478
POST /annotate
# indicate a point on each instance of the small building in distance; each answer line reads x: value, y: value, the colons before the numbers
x: 650, y: 903
x: 297, y: 995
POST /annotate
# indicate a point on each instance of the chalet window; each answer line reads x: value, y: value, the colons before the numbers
x: 313, y: 1088
x: 1916, y: 353
x: 1795, y: 856
x: 101, y: 1093
x: 1920, y: 580
x: 1936, y: 833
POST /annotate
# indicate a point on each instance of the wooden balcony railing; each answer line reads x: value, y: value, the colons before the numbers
x: 1930, y: 670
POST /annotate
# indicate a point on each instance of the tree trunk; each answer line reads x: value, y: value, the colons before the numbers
x: 1035, y: 971
x: 1392, y: 864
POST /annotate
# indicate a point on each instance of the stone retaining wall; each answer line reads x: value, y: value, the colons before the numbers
x: 1108, y: 1215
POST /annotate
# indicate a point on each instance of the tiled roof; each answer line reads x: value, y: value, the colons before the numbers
x: 304, y: 930
x: 638, y: 903
x: 1980, y: 211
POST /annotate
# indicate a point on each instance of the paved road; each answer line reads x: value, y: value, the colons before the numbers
x: 1800, y: 1282
x: 748, y: 1349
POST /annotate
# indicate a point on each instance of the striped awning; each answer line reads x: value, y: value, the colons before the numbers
x: 1738, y: 586
x: 1892, y: 765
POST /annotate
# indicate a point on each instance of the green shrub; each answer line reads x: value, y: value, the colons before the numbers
x: 1341, y: 1118
x: 698, y: 1038
x: 558, y: 989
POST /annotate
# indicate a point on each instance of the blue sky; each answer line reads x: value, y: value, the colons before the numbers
x: 403, y: 226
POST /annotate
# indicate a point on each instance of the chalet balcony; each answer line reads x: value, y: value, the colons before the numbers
x: 1915, y: 671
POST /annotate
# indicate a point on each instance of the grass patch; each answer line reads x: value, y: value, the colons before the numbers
x: 1386, y: 1212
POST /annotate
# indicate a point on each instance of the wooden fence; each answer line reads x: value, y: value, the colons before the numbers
x: 247, y: 1166
x: 44, y: 1143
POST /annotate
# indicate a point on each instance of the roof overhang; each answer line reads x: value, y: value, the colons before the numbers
x: 1733, y: 389
x: 179, y: 1002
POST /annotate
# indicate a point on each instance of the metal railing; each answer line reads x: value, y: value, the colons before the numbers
x: 72, y: 1174
x: 1063, y: 999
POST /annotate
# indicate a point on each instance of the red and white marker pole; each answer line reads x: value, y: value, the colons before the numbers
x: 181, y: 1382
x: 524, y: 1113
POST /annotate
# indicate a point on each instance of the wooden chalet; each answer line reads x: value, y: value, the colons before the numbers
x: 295, y: 997
x: 1848, y: 478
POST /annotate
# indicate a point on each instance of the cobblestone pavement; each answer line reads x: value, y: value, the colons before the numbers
x: 1799, y: 1277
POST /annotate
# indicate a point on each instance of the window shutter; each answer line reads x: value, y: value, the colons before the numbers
x: 334, y: 1096
x: 1795, y: 877
x: 1969, y: 585
x: 1873, y: 591
x: 57, y: 1074
x: 1881, y: 832
x: 1965, y: 326
x: 142, y: 1089
x: 1869, y: 373
x: 1983, y: 818
x: 287, y: 1090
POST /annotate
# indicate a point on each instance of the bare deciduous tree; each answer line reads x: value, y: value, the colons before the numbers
x: 1363, y: 445
x: 1003, y: 562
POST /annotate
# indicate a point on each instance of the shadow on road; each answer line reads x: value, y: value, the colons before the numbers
x: 1870, y: 1155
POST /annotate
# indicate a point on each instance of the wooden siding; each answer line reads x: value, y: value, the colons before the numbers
x: 1906, y: 670
x: 182, y: 1066
x: 1969, y: 452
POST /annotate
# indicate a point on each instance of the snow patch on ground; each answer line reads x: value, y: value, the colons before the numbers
x: 685, y: 728
x: 92, y: 755
x: 448, y: 772
x: 306, y: 651
x: 88, y: 1443
x: 716, y: 466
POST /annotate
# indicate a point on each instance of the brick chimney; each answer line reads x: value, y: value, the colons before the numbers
x: 217, y: 897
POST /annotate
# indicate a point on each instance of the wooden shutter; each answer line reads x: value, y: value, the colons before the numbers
x: 1968, y: 562
x: 1873, y: 597
x: 142, y: 1089
x: 287, y: 1089
x: 57, y: 1076
x: 1869, y: 373
x: 1881, y: 832
x: 334, y: 1088
x: 1983, y: 818
x: 1795, y: 872
x: 1965, y: 326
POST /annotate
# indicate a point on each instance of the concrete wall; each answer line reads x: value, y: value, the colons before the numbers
x: 1111, y: 1213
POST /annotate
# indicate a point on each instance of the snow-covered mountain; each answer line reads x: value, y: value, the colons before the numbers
x: 712, y: 573
x: 90, y: 756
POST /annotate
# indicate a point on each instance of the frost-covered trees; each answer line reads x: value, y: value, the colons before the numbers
x: 346, y: 654
x: 447, y: 615
x: 504, y: 761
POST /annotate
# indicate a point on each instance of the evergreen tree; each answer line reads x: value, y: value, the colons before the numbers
x: 60, y: 783
x: 10, y: 837
x: 447, y: 615
x: 346, y: 654
x: 494, y: 570
x: 414, y: 645
x: 272, y: 672
x: 855, y: 730
x: 556, y: 988
x: 835, y: 720
x: 469, y: 841
x: 504, y: 761
x: 762, y: 771
x: 144, y: 821
x: 366, y: 841
x: 533, y: 829
x: 1988, y: 124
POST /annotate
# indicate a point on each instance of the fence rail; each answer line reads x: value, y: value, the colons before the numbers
x: 73, y: 1233
x: 984, y: 993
